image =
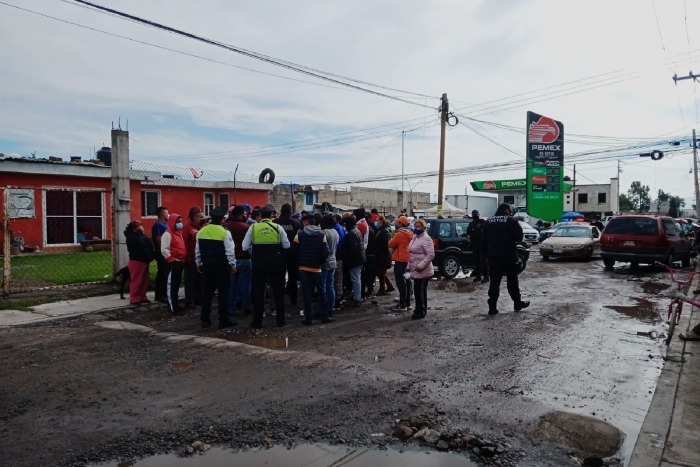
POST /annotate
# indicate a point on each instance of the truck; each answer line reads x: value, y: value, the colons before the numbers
x: 486, y: 205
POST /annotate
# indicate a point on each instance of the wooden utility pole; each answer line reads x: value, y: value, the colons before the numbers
x: 444, y: 109
x: 7, y: 245
x: 695, y: 174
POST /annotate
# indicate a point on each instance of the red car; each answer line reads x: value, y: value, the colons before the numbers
x: 644, y: 240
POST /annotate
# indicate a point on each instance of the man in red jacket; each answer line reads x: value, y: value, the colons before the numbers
x: 193, y: 280
x: 172, y: 247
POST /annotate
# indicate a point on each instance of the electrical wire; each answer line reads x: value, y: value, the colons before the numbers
x: 261, y: 57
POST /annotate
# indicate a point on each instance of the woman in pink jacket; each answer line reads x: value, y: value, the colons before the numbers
x: 420, y: 266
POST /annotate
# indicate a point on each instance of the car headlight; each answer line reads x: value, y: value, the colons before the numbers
x: 578, y: 245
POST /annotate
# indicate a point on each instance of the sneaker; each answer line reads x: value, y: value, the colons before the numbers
x: 145, y: 302
x: 328, y: 319
x: 521, y: 305
x: 493, y: 312
x: 485, y: 280
x: 227, y: 324
x: 372, y: 295
x: 206, y: 324
x: 399, y: 308
x: 135, y: 305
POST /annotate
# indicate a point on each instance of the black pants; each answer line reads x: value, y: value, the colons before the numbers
x: 481, y: 267
x: 503, y: 266
x: 161, y: 278
x: 403, y: 284
x: 193, y: 284
x: 260, y: 279
x: 292, y: 279
x: 369, y: 275
x: 174, y: 281
x: 420, y: 287
x: 215, y: 277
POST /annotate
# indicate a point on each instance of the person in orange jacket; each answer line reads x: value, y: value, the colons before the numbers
x: 172, y: 247
x: 401, y: 257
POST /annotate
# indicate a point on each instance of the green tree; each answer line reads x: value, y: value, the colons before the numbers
x: 662, y: 196
x: 639, y: 195
x: 625, y: 203
x: 675, y: 203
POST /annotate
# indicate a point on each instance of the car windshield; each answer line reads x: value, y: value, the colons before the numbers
x: 581, y: 232
x: 632, y: 226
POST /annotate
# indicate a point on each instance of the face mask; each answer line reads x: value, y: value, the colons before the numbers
x: 376, y: 224
x: 178, y: 226
x: 418, y: 231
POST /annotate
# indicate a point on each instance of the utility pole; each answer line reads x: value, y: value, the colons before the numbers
x: 444, y: 110
x: 573, y: 199
x: 403, y: 133
x: 619, y: 171
x: 695, y: 173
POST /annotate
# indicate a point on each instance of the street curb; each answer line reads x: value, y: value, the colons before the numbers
x: 649, y: 449
x: 49, y: 319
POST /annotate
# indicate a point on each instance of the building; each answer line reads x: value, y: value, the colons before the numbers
x: 591, y: 200
x: 53, y: 204
x: 312, y: 197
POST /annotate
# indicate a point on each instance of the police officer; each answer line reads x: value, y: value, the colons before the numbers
x: 291, y: 228
x: 267, y: 241
x: 216, y: 260
x: 474, y: 232
x: 500, y: 236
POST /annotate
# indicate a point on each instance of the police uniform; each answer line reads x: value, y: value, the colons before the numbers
x: 474, y: 232
x: 216, y: 257
x: 500, y: 237
x: 267, y: 241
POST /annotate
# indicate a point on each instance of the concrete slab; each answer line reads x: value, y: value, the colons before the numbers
x: 83, y: 305
x: 683, y: 444
x: 15, y: 317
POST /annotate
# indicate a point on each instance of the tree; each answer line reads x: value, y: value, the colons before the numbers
x: 639, y: 195
x: 625, y: 203
x: 674, y: 205
x: 662, y: 196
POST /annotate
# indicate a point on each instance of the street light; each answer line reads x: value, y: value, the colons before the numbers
x: 411, y: 193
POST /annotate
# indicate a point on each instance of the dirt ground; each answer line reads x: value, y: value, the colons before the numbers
x: 86, y: 391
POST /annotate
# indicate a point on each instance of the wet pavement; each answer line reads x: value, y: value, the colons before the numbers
x: 590, y: 347
x: 317, y: 455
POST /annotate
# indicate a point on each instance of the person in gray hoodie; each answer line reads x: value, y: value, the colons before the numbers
x: 312, y: 252
x: 328, y: 268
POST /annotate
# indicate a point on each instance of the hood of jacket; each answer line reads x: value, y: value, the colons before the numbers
x: 312, y: 230
x: 172, y: 220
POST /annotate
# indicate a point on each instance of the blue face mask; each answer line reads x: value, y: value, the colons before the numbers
x: 418, y: 231
x: 178, y: 226
x: 376, y: 224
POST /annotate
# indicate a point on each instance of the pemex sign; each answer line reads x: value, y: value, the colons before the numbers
x: 499, y: 185
x: 545, y: 167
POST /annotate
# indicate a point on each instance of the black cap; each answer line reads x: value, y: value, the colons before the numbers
x: 267, y: 209
x: 502, y: 208
x: 220, y: 211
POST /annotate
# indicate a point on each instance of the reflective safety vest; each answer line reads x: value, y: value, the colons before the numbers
x: 265, y: 233
x: 267, y: 249
x: 211, y: 244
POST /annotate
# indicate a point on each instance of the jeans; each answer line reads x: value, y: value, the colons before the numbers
x: 328, y: 280
x: 339, y: 278
x: 501, y: 266
x: 356, y: 281
x: 403, y: 284
x: 307, y: 279
x: 420, y: 287
x: 241, y: 286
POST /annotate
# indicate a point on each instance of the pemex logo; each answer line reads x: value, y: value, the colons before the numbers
x: 489, y: 185
x: 545, y: 130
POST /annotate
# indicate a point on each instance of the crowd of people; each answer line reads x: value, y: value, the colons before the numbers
x: 247, y: 254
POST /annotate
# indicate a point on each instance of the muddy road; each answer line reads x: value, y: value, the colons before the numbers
x: 571, y: 376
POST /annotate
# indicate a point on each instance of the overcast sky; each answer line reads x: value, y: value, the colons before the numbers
x: 61, y: 86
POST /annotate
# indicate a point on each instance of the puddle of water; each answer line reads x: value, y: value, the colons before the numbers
x: 644, y: 310
x: 458, y: 286
x: 654, y: 287
x: 317, y: 455
x: 267, y: 342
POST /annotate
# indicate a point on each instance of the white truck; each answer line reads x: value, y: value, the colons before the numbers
x: 486, y: 205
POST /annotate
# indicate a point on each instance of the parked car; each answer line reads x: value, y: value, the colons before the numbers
x: 606, y: 219
x: 545, y: 234
x: 644, y: 240
x: 574, y: 241
x: 453, y: 249
x: 530, y: 234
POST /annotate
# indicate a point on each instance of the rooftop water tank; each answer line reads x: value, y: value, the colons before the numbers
x: 105, y: 155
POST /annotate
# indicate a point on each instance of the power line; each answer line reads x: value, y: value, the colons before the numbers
x: 258, y: 56
x: 658, y: 27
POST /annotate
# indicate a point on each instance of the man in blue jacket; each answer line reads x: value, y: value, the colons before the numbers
x: 501, y: 235
x: 312, y: 252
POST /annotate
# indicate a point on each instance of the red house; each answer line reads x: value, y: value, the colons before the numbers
x: 53, y: 204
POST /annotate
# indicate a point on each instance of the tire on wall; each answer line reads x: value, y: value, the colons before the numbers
x: 267, y: 176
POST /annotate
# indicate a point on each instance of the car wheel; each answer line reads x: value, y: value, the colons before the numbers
x: 609, y: 263
x: 589, y: 254
x: 450, y: 267
x: 545, y: 258
x: 634, y: 265
x: 521, y: 263
x: 686, y: 260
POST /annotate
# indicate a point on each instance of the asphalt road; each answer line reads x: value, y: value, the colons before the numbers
x: 572, y: 369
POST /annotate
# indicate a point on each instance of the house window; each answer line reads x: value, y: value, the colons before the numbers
x: 73, y: 216
x: 510, y: 199
x: 150, y: 200
x: 223, y: 199
x: 583, y: 198
x: 602, y: 198
x: 208, y: 203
